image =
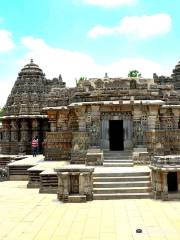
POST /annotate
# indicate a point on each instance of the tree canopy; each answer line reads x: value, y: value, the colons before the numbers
x: 1, y: 112
x: 80, y: 80
x: 134, y: 74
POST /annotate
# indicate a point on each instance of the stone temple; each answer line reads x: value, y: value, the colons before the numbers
x: 106, y: 138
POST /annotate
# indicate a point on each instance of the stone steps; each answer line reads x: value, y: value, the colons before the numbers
x: 122, y: 196
x: 118, y: 159
x: 115, y: 185
x: 121, y: 179
x: 122, y: 190
x: 117, y: 164
x: 48, y: 182
x: 122, y: 184
x: 121, y: 174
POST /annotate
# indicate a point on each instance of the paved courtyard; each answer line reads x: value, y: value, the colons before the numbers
x: 25, y: 214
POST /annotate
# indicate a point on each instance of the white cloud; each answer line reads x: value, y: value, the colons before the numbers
x: 6, y: 42
x: 71, y: 64
x: 55, y: 61
x: 139, y: 27
x: 108, y: 3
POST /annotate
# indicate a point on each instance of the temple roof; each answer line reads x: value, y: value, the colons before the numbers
x: 31, y: 69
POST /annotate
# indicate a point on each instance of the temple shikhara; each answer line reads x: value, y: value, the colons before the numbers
x: 106, y: 138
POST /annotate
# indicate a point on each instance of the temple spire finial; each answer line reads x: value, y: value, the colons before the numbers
x: 31, y: 61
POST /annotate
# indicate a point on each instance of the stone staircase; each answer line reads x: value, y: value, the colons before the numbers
x: 122, y: 185
x: 117, y: 159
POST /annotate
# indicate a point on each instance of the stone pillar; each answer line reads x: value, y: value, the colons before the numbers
x: 7, y: 131
x: 62, y: 122
x: 153, y: 113
x: 52, y: 126
x: 137, y: 131
x: 128, y: 130
x: 63, y: 186
x: 105, y: 134
x: 52, y: 120
x: 6, y: 137
x: 178, y: 181
x: 35, y: 127
x: 25, y: 143
x: 164, y: 186
x: 95, y: 127
x: 157, y: 184
x: 85, y: 185
x: 176, y: 118
x: 81, y: 115
x: 24, y: 130
x: 14, y: 131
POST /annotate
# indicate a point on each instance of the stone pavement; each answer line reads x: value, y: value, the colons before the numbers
x: 25, y: 214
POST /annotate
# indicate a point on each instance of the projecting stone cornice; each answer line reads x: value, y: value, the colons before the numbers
x: 23, y: 116
x: 131, y: 102
x: 171, y: 106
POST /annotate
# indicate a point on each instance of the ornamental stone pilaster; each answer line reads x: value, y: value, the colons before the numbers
x: 14, y: 131
x: 52, y: 120
x: 95, y: 126
x: 137, y: 129
x: 178, y: 181
x: 81, y: 115
x: 153, y: 113
x: 176, y: 118
x: 35, y: 127
x: 164, y: 186
x: 62, y: 122
x: 24, y: 129
x: 7, y: 131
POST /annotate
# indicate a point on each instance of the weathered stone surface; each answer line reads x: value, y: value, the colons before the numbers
x: 75, y: 183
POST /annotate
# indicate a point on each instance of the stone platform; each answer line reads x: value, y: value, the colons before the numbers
x: 18, y: 169
x: 6, y: 159
x: 44, y: 172
x: 108, y: 183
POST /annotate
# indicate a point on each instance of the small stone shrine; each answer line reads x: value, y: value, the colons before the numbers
x: 166, y: 177
x: 75, y: 183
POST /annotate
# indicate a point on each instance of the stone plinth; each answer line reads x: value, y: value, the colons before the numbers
x: 75, y: 183
x: 94, y: 157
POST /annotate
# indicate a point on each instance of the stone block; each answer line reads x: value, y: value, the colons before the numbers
x: 94, y: 157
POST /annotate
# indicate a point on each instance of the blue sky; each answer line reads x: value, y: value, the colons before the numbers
x: 88, y: 38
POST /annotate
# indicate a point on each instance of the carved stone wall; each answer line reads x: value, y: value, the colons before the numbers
x: 80, y: 144
x: 58, y: 145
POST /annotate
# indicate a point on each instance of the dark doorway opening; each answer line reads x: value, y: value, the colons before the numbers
x: 74, y: 184
x: 172, y: 182
x: 116, y: 135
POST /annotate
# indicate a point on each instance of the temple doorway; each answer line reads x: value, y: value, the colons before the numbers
x: 116, y: 135
x: 172, y: 182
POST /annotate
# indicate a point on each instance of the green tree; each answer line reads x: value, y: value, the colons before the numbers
x: 1, y: 112
x: 134, y: 74
x: 80, y: 80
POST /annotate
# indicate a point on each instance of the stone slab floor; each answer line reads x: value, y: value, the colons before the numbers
x: 25, y: 214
